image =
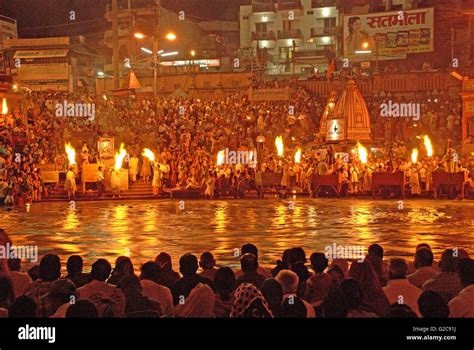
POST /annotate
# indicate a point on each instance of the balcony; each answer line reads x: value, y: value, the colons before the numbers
x: 323, y: 31
x: 290, y: 34
x: 270, y: 35
x: 290, y: 5
x: 310, y: 54
x: 263, y: 6
x: 322, y: 3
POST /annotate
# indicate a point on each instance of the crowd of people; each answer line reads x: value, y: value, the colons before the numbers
x: 186, y: 134
x: 322, y: 286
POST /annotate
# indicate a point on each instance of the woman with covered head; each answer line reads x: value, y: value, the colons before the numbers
x: 250, y: 303
x: 374, y: 299
x: 199, y: 303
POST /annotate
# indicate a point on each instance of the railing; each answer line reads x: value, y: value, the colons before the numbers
x: 322, y: 3
x: 290, y: 34
x: 394, y: 83
x: 284, y: 5
x: 263, y: 6
x: 323, y: 31
x: 263, y: 36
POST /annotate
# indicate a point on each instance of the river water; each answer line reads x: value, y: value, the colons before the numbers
x: 141, y: 229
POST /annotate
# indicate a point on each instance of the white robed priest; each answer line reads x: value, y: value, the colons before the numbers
x: 156, y: 182
x: 133, y: 168
x: 70, y: 186
x: 115, y: 182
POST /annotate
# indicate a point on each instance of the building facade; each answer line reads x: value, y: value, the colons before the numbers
x: 197, y: 40
x: 62, y: 63
x: 8, y: 30
x: 289, y: 36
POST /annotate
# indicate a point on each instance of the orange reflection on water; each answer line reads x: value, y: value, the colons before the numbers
x: 71, y: 221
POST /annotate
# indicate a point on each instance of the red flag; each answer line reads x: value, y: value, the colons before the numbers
x: 331, y: 69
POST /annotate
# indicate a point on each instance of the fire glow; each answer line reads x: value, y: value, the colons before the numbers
x: 298, y: 155
x: 148, y: 154
x: 414, y: 155
x: 71, y: 154
x: 279, y: 145
x: 119, y: 157
x: 4, y: 106
x: 428, y: 145
x: 220, y: 157
x: 362, y: 152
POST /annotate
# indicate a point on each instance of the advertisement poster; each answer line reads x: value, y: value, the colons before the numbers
x: 396, y: 34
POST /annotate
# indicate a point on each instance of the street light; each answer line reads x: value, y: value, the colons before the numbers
x: 171, y: 37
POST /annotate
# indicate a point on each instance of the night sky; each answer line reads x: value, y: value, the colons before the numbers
x: 40, y: 18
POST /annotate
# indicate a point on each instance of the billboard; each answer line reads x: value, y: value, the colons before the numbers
x: 388, y: 35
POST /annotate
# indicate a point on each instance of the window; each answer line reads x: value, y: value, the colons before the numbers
x: 330, y: 22
x: 285, y: 53
x: 260, y: 27
x: 310, y: 13
x: 287, y: 25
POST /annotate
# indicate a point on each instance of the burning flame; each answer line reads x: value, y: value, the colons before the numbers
x: 362, y: 152
x: 220, y: 157
x: 279, y: 145
x: 149, y: 154
x: 71, y: 154
x: 119, y: 157
x: 428, y: 145
x: 298, y: 155
x: 414, y: 155
x: 4, y: 106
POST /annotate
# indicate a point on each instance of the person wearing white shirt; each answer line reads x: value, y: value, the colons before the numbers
x: 424, y: 271
x: 149, y: 277
x: 462, y: 305
x: 398, y: 288
x: 19, y: 279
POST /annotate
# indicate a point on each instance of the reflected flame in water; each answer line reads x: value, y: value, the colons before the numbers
x: 71, y: 221
x: 220, y: 215
x: 361, y: 217
x: 280, y: 217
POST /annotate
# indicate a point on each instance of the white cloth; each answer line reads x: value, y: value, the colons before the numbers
x: 401, y: 291
x: 115, y: 179
x: 159, y: 293
x: 462, y: 305
x: 421, y: 275
x: 19, y: 281
x: 104, y: 290
x: 199, y: 303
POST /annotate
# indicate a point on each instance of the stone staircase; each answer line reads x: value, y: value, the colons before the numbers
x: 137, y: 190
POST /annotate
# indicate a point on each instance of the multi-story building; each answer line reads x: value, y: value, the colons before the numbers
x: 196, y: 40
x: 289, y: 36
x: 8, y: 30
x: 62, y: 63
